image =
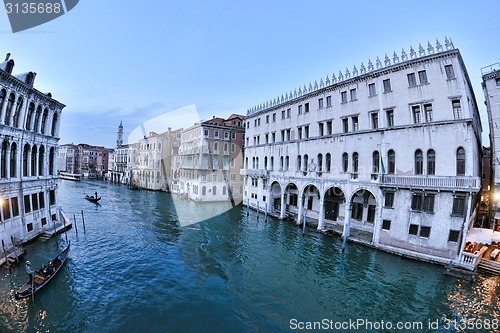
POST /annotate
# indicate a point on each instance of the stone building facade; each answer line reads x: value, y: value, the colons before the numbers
x: 210, y: 160
x: 391, y: 149
x: 29, y: 131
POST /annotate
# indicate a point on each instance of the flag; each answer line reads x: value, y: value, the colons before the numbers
x: 382, y: 162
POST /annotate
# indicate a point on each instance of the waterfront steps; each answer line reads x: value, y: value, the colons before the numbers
x: 489, y: 267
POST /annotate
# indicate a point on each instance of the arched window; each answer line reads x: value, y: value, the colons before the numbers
x: 204, y: 190
x: 34, y: 153
x: 287, y: 163
x: 214, y: 190
x: 253, y: 163
x: 375, y: 162
x: 3, y: 93
x: 265, y: 162
x: 37, y: 118
x: 299, y: 163
x: 345, y: 162
x: 355, y: 163
x: 271, y: 165
x: 460, y: 162
x: 431, y: 162
x: 419, y: 162
x: 44, y: 120
x: 246, y: 163
x: 391, y: 160
x: 306, y: 162
x: 51, y: 161
x: 328, y: 166
x: 17, y: 114
x: 25, y: 160
x: 13, y: 160
x: 320, y: 162
x: 281, y: 163
x: 31, y: 110
x: 41, y: 157
x: 54, y: 125
x: 3, y: 160
x: 10, y: 106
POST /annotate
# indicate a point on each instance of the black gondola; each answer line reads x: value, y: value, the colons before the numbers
x: 43, y: 275
x: 93, y: 198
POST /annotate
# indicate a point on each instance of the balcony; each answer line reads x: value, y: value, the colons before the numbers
x: 254, y: 173
x: 433, y: 182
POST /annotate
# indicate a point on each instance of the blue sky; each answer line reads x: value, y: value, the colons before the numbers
x: 112, y: 61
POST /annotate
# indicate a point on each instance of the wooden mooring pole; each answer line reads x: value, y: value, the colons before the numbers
x: 76, y: 227
x: 5, y: 252
x: 83, y: 220
x: 15, y: 248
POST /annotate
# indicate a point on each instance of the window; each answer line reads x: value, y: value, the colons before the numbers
x: 267, y: 119
x: 412, y: 81
x: 389, y: 199
x: 357, y: 211
x: 453, y: 236
x: 391, y: 157
x: 390, y: 118
x: 306, y: 107
x: 425, y: 232
x: 52, y: 197
x: 345, y: 162
x: 328, y: 101
x: 343, y: 97
x: 320, y: 162
x: 273, y: 137
x: 460, y: 162
x: 355, y: 164
x: 417, y: 118
x: 329, y: 127
x: 371, y: 89
x: 421, y: 202
x: 458, y: 206
x: 216, y: 134
x: 300, y: 109
x: 387, y: 86
x: 233, y: 134
x: 375, y: 164
x: 497, y: 81
x: 345, y: 125
x: 299, y: 163
x: 283, y: 114
x: 422, y: 77
x: 386, y: 225
x: 288, y: 113
x: 450, y: 73
x: 355, y: 124
x: 6, y: 210
x: 306, y: 132
x: 428, y: 112
x: 457, y: 109
x: 44, y: 221
x: 206, y: 133
x: 29, y: 227
x: 27, y: 204
x: 320, y: 103
x: 419, y: 162
x: 374, y: 117
x: 413, y: 229
x: 353, y: 95
x: 321, y: 129
x: 431, y: 162
x: 15, y: 207
x: 267, y: 138
x: 328, y: 165
x: 299, y: 132
x: 34, y: 201
x: 274, y: 117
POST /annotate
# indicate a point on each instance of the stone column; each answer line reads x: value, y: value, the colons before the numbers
x: 301, y: 209
x: 4, y: 107
x: 7, y: 162
x: 283, y: 206
x: 28, y: 164
x: 321, y: 215
x: 347, y: 220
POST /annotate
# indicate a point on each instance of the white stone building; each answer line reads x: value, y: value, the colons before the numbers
x: 391, y: 149
x: 210, y: 160
x: 491, y: 90
x: 29, y: 130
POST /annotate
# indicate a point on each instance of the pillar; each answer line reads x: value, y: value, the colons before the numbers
x: 347, y: 220
x: 321, y: 215
x: 301, y: 209
x: 4, y: 107
x: 7, y: 162
x: 283, y: 206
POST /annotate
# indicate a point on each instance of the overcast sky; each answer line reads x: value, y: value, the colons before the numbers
x: 112, y: 61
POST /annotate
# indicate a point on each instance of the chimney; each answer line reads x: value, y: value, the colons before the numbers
x: 7, y: 57
x: 213, y: 117
x: 170, y: 129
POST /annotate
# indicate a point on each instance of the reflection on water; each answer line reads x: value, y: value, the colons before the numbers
x: 136, y: 270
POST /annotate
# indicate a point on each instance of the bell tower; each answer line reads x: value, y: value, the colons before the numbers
x: 119, y: 140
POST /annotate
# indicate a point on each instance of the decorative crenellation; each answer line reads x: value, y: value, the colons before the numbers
x: 297, y: 93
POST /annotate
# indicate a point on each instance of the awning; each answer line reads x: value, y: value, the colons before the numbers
x: 483, y: 236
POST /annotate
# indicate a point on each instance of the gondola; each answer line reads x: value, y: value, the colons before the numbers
x: 43, y: 275
x: 91, y: 198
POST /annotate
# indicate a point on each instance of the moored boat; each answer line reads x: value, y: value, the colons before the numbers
x: 43, y: 275
x: 70, y: 176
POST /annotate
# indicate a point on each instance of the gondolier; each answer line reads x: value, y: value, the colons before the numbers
x: 29, y: 271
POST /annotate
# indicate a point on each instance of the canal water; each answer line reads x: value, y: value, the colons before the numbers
x: 134, y: 269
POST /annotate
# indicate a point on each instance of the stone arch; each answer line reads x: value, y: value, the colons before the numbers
x: 292, y: 197
x: 334, y: 200
x: 312, y: 196
x: 363, y: 206
x: 276, y: 190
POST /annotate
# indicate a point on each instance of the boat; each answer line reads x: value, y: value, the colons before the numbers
x: 43, y: 275
x: 92, y: 198
x: 70, y: 176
